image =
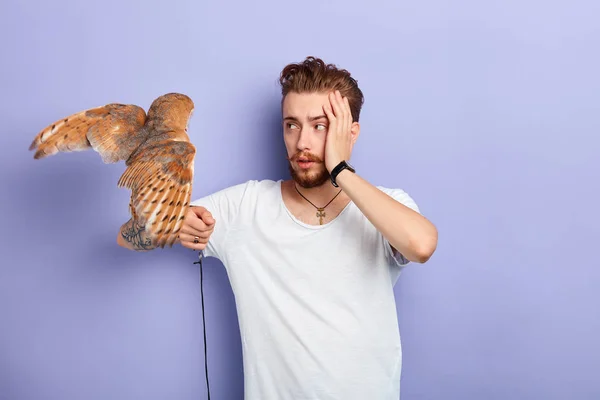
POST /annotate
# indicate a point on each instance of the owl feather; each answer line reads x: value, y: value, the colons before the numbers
x: 158, y: 155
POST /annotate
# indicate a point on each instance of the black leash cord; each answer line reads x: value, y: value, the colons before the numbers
x: 200, y: 256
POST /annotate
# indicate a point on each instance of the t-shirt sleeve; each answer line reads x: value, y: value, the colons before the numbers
x: 224, y: 205
x: 394, y: 257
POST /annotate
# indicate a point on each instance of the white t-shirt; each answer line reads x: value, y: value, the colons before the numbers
x: 315, y: 304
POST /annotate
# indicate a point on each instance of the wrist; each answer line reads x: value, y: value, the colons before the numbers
x: 339, y: 169
x: 330, y: 166
x: 343, y: 178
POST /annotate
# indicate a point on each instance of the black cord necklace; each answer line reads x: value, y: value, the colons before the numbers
x: 320, y: 210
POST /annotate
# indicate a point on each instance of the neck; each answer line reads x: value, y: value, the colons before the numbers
x: 319, y: 195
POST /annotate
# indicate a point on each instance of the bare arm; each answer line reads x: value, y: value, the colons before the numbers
x: 406, y: 230
x: 132, y: 236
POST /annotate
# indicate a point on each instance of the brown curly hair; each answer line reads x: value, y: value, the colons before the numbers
x: 313, y: 75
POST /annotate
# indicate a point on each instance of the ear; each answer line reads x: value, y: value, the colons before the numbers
x: 355, y: 131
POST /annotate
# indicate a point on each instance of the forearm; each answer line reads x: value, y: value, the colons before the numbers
x: 407, y: 231
x: 134, y: 237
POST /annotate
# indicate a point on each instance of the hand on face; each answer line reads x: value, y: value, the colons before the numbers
x: 338, y: 145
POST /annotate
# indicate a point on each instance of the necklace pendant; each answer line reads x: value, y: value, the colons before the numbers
x: 321, y: 214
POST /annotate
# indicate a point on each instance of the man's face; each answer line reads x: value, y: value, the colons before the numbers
x: 305, y: 132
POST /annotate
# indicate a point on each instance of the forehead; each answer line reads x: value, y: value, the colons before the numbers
x: 304, y: 105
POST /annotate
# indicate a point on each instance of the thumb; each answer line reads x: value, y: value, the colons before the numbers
x: 207, y: 217
x: 198, y: 210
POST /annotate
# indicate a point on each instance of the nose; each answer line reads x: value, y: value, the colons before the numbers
x: 303, y: 139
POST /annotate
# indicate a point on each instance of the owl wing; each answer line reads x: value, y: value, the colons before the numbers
x: 160, y: 178
x: 113, y: 130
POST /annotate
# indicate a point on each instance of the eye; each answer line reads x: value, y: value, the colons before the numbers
x: 321, y: 127
x: 290, y: 125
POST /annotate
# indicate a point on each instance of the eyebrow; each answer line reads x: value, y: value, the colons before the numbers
x: 291, y: 117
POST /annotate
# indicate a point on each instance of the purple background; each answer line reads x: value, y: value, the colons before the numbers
x: 487, y: 113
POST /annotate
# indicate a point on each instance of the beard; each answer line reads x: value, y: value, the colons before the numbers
x: 309, y: 178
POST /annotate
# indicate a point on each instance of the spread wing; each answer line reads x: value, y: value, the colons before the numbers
x: 160, y: 177
x: 113, y: 130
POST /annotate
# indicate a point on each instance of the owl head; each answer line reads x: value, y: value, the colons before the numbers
x: 172, y: 110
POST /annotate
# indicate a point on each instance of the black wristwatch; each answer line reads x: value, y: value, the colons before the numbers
x: 339, y: 168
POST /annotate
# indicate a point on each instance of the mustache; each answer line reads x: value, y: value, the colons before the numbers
x: 305, y: 155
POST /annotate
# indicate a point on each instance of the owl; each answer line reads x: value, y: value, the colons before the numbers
x: 158, y: 155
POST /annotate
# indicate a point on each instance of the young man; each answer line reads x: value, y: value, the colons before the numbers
x: 313, y: 260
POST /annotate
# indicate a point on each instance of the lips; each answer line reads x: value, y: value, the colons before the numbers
x: 305, y: 163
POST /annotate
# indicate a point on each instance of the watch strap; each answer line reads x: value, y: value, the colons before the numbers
x: 339, y: 168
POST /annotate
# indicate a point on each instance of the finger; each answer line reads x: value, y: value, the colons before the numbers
x: 345, y: 106
x: 189, y: 241
x: 348, y: 116
x: 339, y: 99
x: 344, y: 113
x: 340, y: 112
x: 191, y: 230
x: 199, y: 223
x: 332, y: 128
x: 184, y: 237
x: 203, y: 214
x: 347, y: 109
x: 194, y: 246
x: 194, y: 232
x: 197, y: 210
x: 196, y: 224
x: 327, y: 107
x: 333, y: 98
